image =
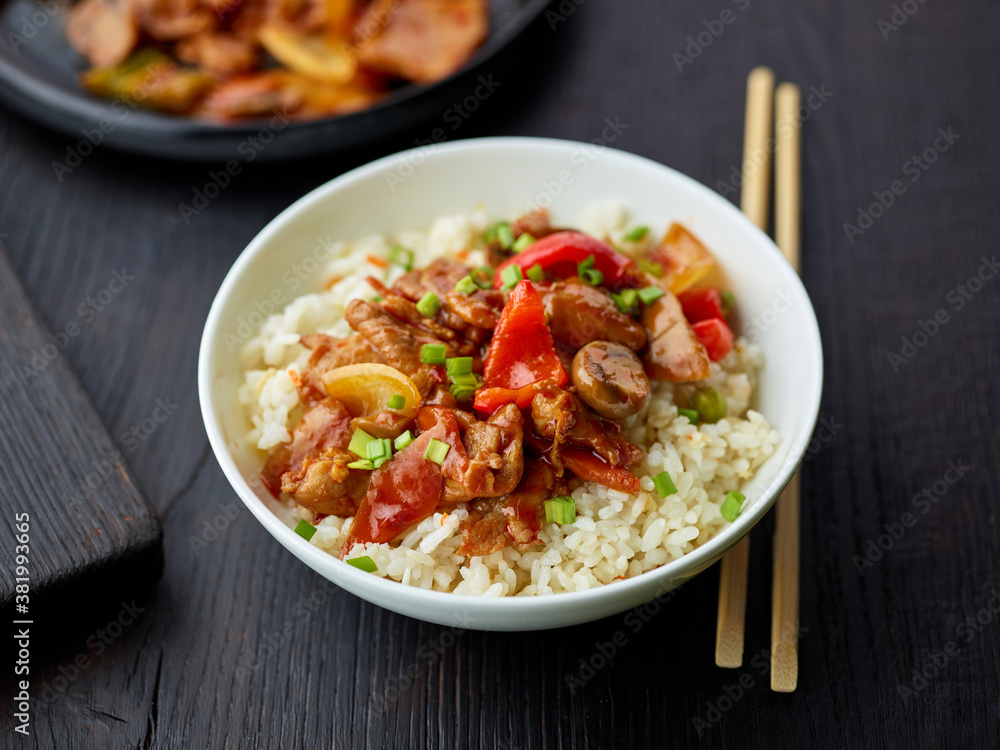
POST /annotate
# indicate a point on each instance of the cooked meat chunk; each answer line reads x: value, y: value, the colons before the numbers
x: 562, y: 418
x: 420, y: 40
x: 325, y: 485
x: 251, y: 95
x: 481, y: 309
x: 675, y: 353
x: 168, y: 20
x: 103, y: 31
x: 439, y: 277
x: 579, y: 314
x: 516, y: 518
x: 535, y: 223
x: 221, y: 54
x: 326, y: 425
x: 609, y: 378
x: 328, y: 354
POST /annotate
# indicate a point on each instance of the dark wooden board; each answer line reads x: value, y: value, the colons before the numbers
x: 233, y: 650
x: 76, y: 523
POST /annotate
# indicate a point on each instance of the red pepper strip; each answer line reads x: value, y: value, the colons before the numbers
x: 593, y: 468
x: 703, y: 304
x: 521, y: 352
x: 716, y: 336
x: 559, y: 253
x: 405, y: 491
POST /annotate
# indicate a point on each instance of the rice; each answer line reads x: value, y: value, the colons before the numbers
x: 615, y: 535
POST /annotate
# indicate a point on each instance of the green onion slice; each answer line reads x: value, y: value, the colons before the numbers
x: 403, y: 440
x: 523, y: 242
x: 433, y: 354
x: 584, y: 264
x: 379, y: 448
x: 511, y: 275
x: 436, y: 451
x: 727, y: 301
x: 505, y: 236
x: 636, y: 234
x: 466, y: 286
x: 401, y: 256
x: 536, y: 272
x: 483, y: 276
x: 731, y: 505
x: 397, y: 401
x: 560, y: 509
x: 649, y: 294
x: 458, y: 366
x: 664, y: 484
x: 305, y: 529
x: 428, y: 305
x: 359, y: 443
x: 361, y: 463
x: 364, y: 563
x: 592, y: 276
x: 691, y: 414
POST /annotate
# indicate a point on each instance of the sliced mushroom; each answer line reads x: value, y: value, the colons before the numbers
x: 609, y: 378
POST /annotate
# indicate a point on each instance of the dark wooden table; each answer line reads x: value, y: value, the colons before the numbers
x: 242, y: 646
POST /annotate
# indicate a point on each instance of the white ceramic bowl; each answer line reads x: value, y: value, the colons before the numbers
x: 509, y: 175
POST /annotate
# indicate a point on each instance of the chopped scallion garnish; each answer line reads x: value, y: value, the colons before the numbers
x: 436, y: 451
x: 428, y: 305
x: 649, y: 294
x: 651, y: 267
x: 403, y: 440
x: 511, y: 275
x: 466, y: 285
x: 401, y: 256
x: 364, y: 563
x: 505, y: 236
x: 361, y: 463
x: 377, y: 463
x: 359, y: 443
x: 523, y: 242
x: 727, y: 301
x: 305, y: 529
x: 433, y: 354
x: 592, y: 276
x: 458, y: 366
x: 636, y: 234
x: 664, y: 484
x: 731, y: 505
x: 397, y: 401
x: 584, y: 264
x: 536, y: 272
x: 483, y: 276
x: 462, y: 392
x: 560, y: 509
x: 691, y: 414
x: 379, y: 448
x: 378, y: 298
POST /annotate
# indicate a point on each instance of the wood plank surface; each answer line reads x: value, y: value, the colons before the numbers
x: 241, y: 646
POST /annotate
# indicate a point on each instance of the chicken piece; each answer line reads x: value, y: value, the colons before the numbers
x: 440, y: 277
x: 481, y: 309
x: 420, y: 40
x: 536, y: 223
x: 675, y: 353
x: 219, y: 54
x: 251, y: 95
x: 324, y: 484
x: 325, y: 425
x: 562, y: 418
x: 328, y: 354
x: 516, y: 518
x: 103, y: 31
x: 171, y: 20
x: 579, y: 313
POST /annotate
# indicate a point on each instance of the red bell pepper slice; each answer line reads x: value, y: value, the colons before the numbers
x: 703, y: 304
x: 716, y: 336
x: 521, y: 353
x: 592, y: 468
x: 559, y: 253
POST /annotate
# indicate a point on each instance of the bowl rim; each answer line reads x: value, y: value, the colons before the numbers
x: 668, y: 574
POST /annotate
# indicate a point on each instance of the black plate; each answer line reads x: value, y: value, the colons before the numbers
x: 38, y: 78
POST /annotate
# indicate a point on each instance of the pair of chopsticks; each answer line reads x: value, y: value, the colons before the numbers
x: 763, y: 100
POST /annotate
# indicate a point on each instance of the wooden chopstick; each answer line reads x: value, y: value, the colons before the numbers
x: 788, y: 235
x: 754, y: 202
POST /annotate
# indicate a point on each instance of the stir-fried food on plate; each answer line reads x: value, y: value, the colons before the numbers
x: 509, y: 409
x: 230, y: 60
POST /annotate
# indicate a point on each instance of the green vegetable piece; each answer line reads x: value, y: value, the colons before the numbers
x: 403, y: 440
x: 711, y: 405
x: 364, y: 563
x: 397, y: 401
x: 436, y: 451
x: 649, y: 294
x: 536, y: 272
x: 428, y: 305
x: 523, y: 242
x: 401, y: 256
x: 691, y: 415
x: 731, y: 505
x: 664, y: 484
x: 433, y: 354
x: 359, y: 443
x: 511, y: 275
x: 305, y: 529
x: 466, y: 286
x: 636, y: 234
